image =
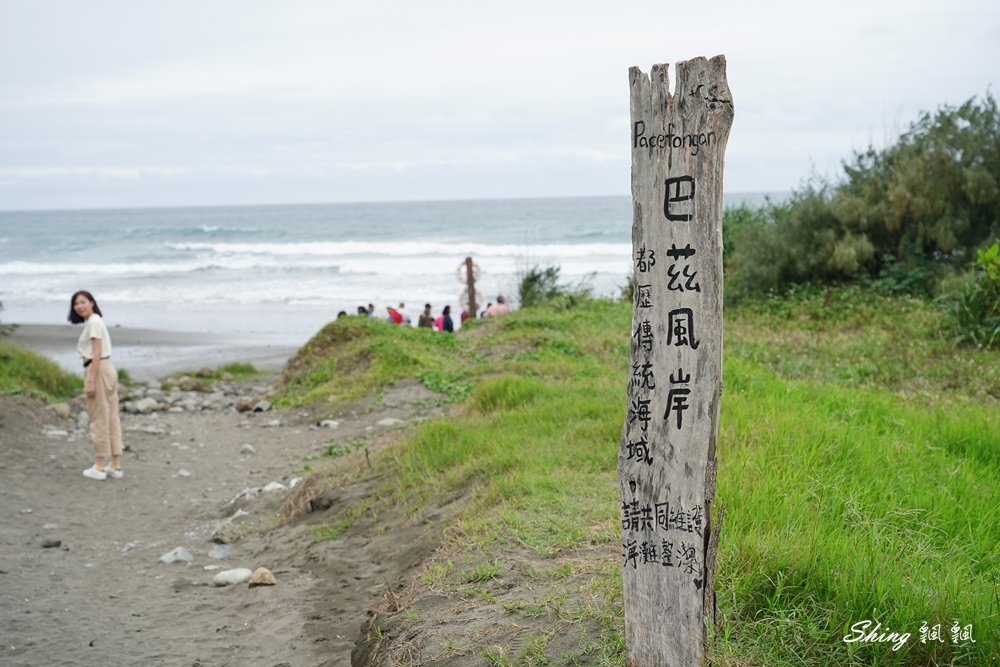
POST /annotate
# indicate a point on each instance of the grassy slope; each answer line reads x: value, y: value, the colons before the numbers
x: 857, y: 459
x: 26, y: 372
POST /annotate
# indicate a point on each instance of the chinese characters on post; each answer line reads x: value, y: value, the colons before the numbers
x: 666, y: 460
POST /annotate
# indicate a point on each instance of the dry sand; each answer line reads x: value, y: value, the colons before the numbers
x: 101, y: 597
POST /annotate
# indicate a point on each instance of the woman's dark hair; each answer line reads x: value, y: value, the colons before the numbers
x: 73, y: 317
x: 447, y: 310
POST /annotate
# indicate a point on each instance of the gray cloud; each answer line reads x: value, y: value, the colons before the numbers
x: 123, y: 104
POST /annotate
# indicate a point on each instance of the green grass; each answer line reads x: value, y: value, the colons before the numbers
x: 846, y: 504
x: 857, y: 449
x: 25, y: 372
x: 238, y: 370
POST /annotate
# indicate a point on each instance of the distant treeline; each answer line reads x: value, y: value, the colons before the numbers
x: 908, y: 218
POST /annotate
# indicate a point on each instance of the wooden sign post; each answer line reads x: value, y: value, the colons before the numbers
x: 666, y: 464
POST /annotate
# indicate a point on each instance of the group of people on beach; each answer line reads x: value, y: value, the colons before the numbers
x: 100, y: 377
x: 426, y: 320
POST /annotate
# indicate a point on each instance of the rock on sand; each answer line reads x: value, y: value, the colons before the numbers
x: 262, y: 577
x: 232, y: 577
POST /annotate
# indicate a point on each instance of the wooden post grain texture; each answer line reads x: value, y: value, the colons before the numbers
x: 667, y: 461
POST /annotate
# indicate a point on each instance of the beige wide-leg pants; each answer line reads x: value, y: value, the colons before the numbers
x: 105, y: 424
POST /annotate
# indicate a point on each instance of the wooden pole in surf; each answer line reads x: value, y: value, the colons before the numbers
x: 667, y: 462
x: 471, y: 286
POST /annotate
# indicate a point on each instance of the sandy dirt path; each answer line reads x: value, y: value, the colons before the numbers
x: 102, y: 597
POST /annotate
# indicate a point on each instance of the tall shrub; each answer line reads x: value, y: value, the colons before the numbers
x: 974, y: 309
x: 5, y: 329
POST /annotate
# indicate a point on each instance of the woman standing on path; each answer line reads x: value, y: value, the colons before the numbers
x: 100, y: 385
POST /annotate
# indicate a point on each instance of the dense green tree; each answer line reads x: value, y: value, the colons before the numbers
x: 900, y: 215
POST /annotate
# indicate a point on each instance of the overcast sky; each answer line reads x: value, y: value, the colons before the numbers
x: 178, y: 103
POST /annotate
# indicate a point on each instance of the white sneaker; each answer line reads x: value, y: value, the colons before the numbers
x: 93, y: 473
x: 114, y: 473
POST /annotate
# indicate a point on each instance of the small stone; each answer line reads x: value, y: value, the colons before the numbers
x: 188, y: 383
x: 274, y: 423
x: 390, y: 421
x: 204, y: 373
x: 183, y: 473
x: 247, y: 449
x: 62, y: 410
x: 219, y: 552
x: 50, y: 526
x: 178, y: 555
x: 147, y: 405
x: 51, y: 544
x: 244, y: 405
x: 227, y: 533
x: 262, y: 577
x: 262, y: 405
x: 293, y: 482
x: 275, y: 486
x: 231, y: 577
x: 329, y: 423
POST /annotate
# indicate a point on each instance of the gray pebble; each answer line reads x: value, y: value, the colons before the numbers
x: 219, y: 552
x: 178, y: 555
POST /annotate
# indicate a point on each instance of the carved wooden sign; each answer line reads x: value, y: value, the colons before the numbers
x: 666, y: 464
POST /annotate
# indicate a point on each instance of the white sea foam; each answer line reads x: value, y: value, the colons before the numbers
x: 406, y: 248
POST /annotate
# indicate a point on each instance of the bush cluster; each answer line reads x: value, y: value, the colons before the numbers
x: 974, y: 308
x: 540, y: 285
x: 5, y: 329
x: 901, y: 218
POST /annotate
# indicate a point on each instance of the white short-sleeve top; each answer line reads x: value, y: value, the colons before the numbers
x: 93, y: 327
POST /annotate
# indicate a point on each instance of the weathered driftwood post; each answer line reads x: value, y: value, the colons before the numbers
x: 470, y: 278
x: 667, y: 465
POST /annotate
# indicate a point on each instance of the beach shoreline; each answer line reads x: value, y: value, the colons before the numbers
x: 150, y: 354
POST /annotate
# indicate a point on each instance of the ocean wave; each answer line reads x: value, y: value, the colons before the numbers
x: 404, y: 259
x: 353, y: 289
x: 211, y: 229
x: 406, y: 248
x: 235, y: 264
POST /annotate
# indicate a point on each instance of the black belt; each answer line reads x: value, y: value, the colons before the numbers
x: 88, y: 361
